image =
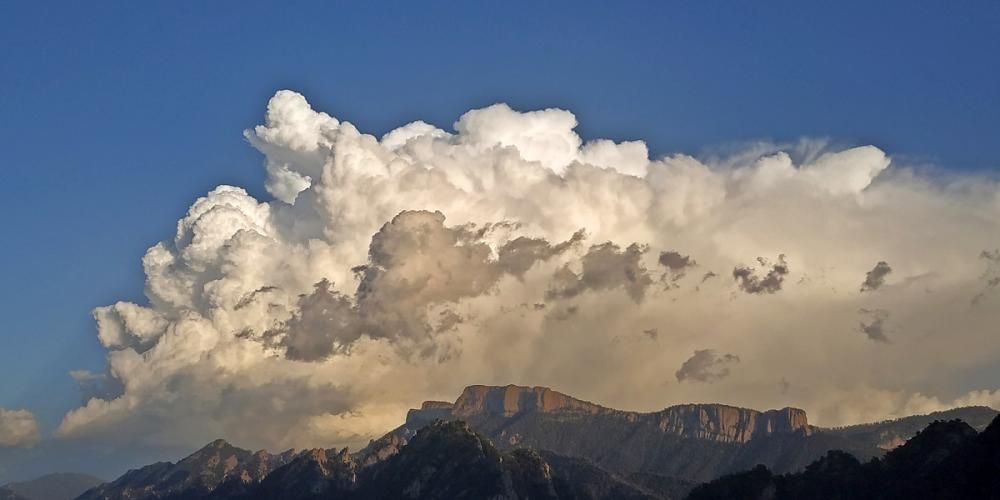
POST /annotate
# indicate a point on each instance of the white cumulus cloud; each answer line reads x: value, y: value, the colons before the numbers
x: 18, y: 428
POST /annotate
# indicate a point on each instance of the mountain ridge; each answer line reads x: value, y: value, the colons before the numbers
x: 660, y: 454
x: 55, y: 486
x: 948, y: 459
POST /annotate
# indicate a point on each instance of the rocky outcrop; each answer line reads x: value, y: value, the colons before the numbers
x: 512, y: 400
x: 729, y: 424
x: 315, y: 473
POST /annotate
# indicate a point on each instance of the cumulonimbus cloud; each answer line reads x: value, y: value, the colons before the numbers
x: 386, y: 271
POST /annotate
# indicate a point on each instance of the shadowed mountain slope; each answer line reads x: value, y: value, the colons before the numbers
x: 197, y: 475
x: 947, y: 460
x: 60, y: 486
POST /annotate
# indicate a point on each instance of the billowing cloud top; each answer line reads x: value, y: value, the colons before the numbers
x: 18, y: 428
x: 390, y: 270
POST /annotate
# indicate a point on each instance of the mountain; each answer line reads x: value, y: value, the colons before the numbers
x: 62, y: 486
x: 447, y: 460
x: 891, y: 433
x: 443, y: 460
x: 692, y: 442
x: 197, y: 475
x: 946, y: 460
x: 6, y: 494
x: 518, y: 442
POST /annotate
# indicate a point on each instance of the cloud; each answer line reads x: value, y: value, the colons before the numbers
x: 990, y: 277
x: 605, y: 267
x: 18, y: 429
x: 706, y: 365
x: 748, y: 281
x: 415, y: 262
x: 96, y: 385
x: 676, y: 265
x: 876, y: 277
x: 508, y: 249
x: 784, y: 385
x: 874, y: 327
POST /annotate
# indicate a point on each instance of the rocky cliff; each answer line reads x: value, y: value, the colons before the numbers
x: 694, y: 442
x: 713, y: 422
x: 512, y: 400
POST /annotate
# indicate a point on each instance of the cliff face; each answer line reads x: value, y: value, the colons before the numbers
x: 692, y: 442
x: 512, y: 400
x: 729, y: 424
x: 713, y: 422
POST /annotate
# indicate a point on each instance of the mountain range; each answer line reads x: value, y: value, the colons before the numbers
x: 946, y: 460
x: 528, y: 442
x: 61, y: 486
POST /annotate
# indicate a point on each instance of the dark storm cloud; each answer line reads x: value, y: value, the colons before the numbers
x: 518, y: 255
x: 706, y: 365
x: 874, y: 324
x: 326, y: 323
x: 675, y: 261
x: 876, y: 277
x: 605, y: 267
x: 748, y: 281
x: 677, y: 266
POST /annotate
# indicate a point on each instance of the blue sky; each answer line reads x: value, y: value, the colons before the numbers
x: 116, y: 116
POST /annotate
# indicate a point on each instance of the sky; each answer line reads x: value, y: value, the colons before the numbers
x: 118, y: 117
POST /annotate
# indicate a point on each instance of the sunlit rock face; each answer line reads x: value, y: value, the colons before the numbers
x: 713, y: 422
x: 512, y: 400
x: 691, y: 442
x: 729, y: 424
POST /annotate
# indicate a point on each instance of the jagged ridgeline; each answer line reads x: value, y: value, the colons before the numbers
x: 527, y: 442
x: 946, y: 460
